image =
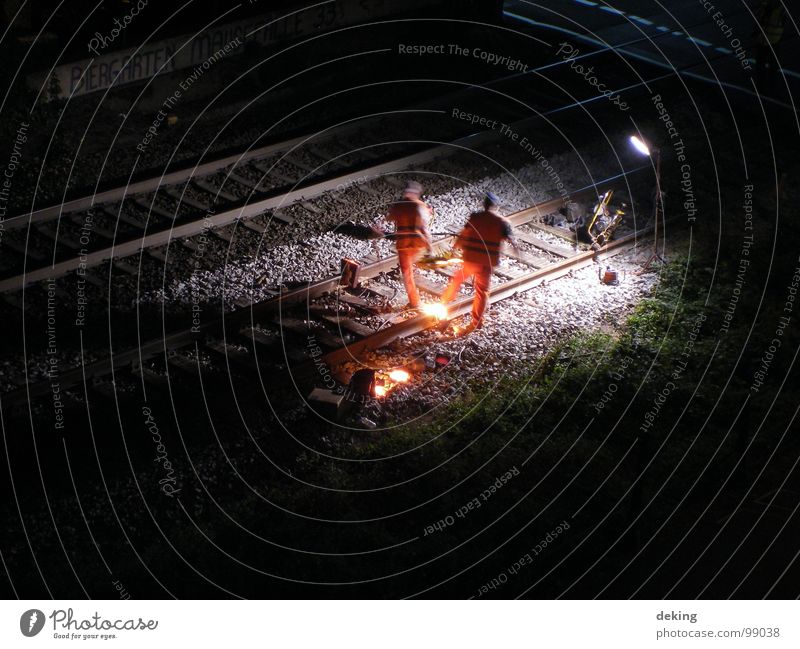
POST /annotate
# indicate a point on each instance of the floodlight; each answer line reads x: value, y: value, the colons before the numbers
x: 640, y: 145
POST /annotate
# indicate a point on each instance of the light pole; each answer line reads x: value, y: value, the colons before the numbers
x: 653, y: 152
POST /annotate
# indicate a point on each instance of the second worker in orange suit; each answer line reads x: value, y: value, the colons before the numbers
x: 480, y: 242
x: 410, y: 217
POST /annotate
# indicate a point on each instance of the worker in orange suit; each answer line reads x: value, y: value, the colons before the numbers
x: 480, y: 242
x: 410, y: 217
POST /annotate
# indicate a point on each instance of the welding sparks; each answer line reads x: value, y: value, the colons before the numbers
x: 399, y: 376
x: 438, y: 311
x: 380, y: 391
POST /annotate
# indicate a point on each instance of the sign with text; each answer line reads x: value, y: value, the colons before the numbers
x: 187, y: 51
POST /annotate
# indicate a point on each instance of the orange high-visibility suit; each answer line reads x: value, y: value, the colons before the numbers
x: 411, y: 237
x: 480, y: 242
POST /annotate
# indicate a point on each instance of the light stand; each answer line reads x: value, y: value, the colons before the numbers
x: 658, y: 206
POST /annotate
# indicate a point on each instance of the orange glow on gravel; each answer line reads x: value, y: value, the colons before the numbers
x: 399, y: 376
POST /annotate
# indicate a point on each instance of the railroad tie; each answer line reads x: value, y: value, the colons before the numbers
x: 79, y: 220
x: 243, y: 302
x: 126, y: 267
x: 353, y: 300
x: 270, y: 172
x: 182, y: 197
x: 368, y: 190
x: 503, y: 273
x: 225, y: 233
x: 150, y: 376
x: 253, y: 225
x: 534, y: 261
x: 58, y: 237
x: 308, y: 331
x: 300, y: 164
x: 561, y: 233
x: 310, y: 207
x: 216, y: 192
x: 426, y: 285
x: 183, y: 363
x: 29, y: 251
x: 158, y: 254
x: 381, y: 291
x: 348, y: 324
x: 121, y: 216
x: 243, y: 180
x: 259, y: 336
x: 241, y: 357
x: 553, y: 249
x: 153, y: 208
x: 108, y: 390
x: 93, y: 279
x: 278, y: 215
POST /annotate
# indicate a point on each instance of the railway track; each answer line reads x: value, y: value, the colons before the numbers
x: 54, y: 241
x: 344, y: 322
x: 256, y: 187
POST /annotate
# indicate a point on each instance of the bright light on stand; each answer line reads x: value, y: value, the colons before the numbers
x: 653, y: 152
